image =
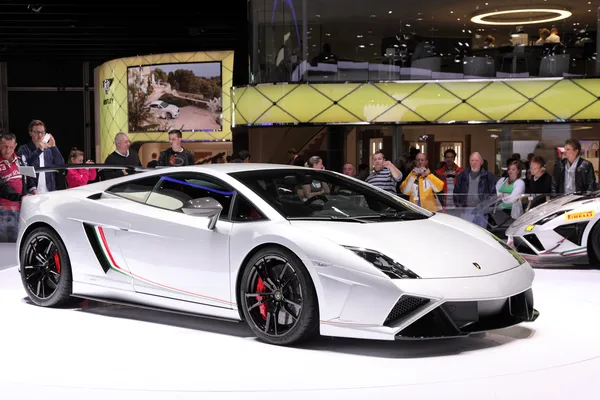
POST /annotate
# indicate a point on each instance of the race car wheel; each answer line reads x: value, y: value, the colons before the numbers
x: 278, y: 298
x: 594, y: 245
x: 45, y: 268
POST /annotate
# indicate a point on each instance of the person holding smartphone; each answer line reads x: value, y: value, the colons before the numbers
x: 41, y: 152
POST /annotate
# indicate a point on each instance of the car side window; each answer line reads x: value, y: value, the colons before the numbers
x: 174, y: 190
x: 244, y: 211
x: 137, y: 190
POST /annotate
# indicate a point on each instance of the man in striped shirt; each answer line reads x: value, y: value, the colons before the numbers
x: 386, y: 175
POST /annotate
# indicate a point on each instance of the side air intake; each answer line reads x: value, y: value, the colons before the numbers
x: 95, y: 244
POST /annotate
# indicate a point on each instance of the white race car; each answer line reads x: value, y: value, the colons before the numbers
x: 562, y: 231
x: 292, y: 251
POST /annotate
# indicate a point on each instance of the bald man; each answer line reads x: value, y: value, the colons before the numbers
x: 474, y: 185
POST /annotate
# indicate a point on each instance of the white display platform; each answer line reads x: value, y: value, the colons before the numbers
x: 114, y: 352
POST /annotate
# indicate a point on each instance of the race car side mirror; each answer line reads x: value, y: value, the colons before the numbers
x: 204, y: 207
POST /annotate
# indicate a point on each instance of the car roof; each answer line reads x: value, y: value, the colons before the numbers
x: 235, y: 167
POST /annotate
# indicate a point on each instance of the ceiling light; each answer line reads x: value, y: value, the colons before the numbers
x: 560, y: 14
x: 389, y: 12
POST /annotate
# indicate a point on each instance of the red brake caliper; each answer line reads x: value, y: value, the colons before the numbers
x: 57, y: 262
x: 260, y: 287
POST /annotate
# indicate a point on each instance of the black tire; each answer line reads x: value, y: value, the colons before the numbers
x: 287, y: 292
x: 46, y: 269
x: 593, y: 246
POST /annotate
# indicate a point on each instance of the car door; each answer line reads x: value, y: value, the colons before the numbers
x: 173, y: 254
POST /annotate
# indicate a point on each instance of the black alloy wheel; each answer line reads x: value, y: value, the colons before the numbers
x: 278, y: 298
x: 45, y: 268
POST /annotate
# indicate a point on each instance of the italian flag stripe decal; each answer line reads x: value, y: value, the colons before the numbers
x: 115, y: 267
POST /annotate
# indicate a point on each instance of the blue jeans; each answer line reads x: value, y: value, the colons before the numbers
x: 9, y: 225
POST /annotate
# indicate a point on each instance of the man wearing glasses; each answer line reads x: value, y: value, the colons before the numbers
x: 41, y: 152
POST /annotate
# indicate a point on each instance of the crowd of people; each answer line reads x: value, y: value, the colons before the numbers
x: 474, y: 193
x: 447, y: 188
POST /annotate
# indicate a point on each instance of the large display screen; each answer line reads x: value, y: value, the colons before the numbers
x: 185, y: 96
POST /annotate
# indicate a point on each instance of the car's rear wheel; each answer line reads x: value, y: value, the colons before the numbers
x: 45, y: 268
x: 593, y: 246
x: 278, y: 298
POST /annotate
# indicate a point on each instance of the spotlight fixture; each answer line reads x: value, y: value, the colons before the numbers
x: 559, y: 15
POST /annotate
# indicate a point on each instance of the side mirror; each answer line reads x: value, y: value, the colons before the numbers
x: 204, y: 207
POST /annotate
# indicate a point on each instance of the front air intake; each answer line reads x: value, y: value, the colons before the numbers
x: 403, y: 307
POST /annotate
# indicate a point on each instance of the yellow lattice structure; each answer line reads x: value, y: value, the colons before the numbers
x: 512, y: 100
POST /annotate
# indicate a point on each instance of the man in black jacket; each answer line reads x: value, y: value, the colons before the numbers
x: 176, y: 155
x: 473, y: 186
x: 573, y: 173
x: 122, y: 155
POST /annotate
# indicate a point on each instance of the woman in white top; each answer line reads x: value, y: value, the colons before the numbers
x: 510, y: 190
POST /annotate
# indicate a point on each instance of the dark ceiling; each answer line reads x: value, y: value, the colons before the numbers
x: 97, y: 32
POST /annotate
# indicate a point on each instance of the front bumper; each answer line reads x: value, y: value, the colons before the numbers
x: 440, y: 308
x: 463, y: 318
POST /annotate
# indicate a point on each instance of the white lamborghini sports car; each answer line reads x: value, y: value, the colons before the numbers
x: 562, y: 231
x: 294, y: 252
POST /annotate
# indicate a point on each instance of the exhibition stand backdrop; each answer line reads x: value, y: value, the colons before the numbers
x: 146, y: 96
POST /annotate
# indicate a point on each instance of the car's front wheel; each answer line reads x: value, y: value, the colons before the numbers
x: 45, y: 268
x: 278, y: 297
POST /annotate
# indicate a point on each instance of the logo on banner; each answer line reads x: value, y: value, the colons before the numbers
x: 580, y: 215
x: 106, y: 84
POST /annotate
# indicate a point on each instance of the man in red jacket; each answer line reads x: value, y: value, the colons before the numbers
x: 448, y: 173
x: 11, y: 188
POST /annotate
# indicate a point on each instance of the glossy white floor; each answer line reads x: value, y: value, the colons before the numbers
x: 116, y: 352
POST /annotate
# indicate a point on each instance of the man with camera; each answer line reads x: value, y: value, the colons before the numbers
x: 421, y: 185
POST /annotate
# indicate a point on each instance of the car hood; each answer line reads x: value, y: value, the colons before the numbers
x: 544, y: 210
x: 172, y: 107
x: 438, y: 247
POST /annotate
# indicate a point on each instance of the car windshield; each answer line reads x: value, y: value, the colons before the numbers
x: 164, y: 104
x: 324, y: 195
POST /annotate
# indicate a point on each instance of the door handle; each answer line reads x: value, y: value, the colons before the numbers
x: 120, y: 225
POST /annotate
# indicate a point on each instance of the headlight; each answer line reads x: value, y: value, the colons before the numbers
x: 385, y: 264
x: 512, y: 251
x: 551, y: 217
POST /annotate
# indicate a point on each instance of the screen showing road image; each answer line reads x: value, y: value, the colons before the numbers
x: 185, y: 96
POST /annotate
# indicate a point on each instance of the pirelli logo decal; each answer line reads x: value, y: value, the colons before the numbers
x: 580, y: 215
